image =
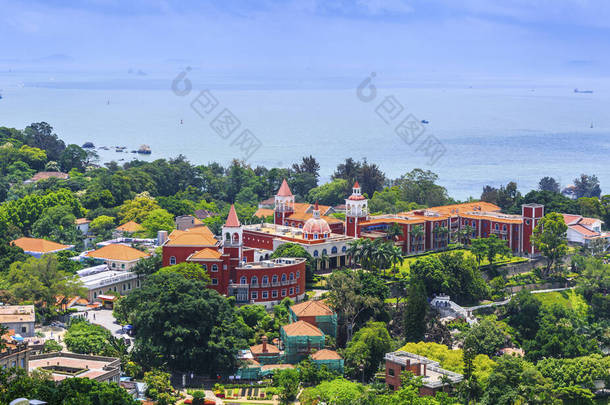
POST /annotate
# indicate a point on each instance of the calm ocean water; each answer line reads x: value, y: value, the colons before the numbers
x: 493, y: 132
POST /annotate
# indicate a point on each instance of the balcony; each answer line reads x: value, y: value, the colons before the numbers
x: 285, y: 282
x: 265, y: 285
x: 275, y: 284
x: 253, y: 285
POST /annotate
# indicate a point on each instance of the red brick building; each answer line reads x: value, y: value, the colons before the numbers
x: 433, y: 375
x: 231, y: 266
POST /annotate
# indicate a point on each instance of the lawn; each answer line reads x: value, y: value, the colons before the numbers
x: 568, y: 298
x: 404, y: 267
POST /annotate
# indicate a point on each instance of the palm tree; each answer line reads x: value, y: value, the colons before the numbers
x: 324, y: 258
x: 393, y: 231
x: 417, y: 232
x: 366, y: 254
x: 382, y: 254
x: 353, y: 251
x: 468, y: 230
x: 440, y: 231
x: 396, y: 257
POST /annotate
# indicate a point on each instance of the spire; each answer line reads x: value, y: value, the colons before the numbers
x: 232, y: 220
x: 316, y: 210
x: 284, y: 190
x: 356, y: 185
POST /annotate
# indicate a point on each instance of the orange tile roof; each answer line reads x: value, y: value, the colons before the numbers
x: 570, y: 218
x: 258, y: 349
x: 326, y: 354
x: 301, y: 328
x: 48, y: 175
x: 589, y: 221
x: 404, y: 221
x: 80, y: 221
x: 277, y: 366
x: 39, y: 245
x: 264, y: 212
x: 197, y: 236
x: 117, y: 252
x: 206, y: 253
x: 465, y: 207
x: 500, y: 219
x: 311, y: 308
x: 130, y: 227
x: 583, y: 231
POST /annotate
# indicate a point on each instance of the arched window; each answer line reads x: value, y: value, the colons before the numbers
x: 214, y: 267
x: 291, y: 276
x: 243, y: 280
x: 265, y: 280
x: 344, y: 249
x: 284, y: 277
x: 497, y: 227
x: 228, y: 237
x: 298, y: 274
x: 172, y: 260
x: 315, y: 236
x: 274, y: 278
x: 315, y: 253
x: 254, y: 280
x: 473, y: 223
x: 333, y: 250
x: 504, y: 227
x: 324, y: 252
x: 235, y: 237
x: 205, y: 267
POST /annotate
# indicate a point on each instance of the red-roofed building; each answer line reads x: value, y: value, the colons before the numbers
x: 583, y: 230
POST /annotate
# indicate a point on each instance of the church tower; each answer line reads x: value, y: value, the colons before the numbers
x: 284, y: 204
x: 232, y: 234
x: 356, y: 211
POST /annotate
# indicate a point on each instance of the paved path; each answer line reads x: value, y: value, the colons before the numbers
x: 506, y: 301
x: 104, y: 317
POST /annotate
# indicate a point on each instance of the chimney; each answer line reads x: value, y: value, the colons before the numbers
x: 264, y: 338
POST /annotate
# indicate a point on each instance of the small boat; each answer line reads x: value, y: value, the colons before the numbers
x: 144, y: 150
x: 583, y: 91
x: 425, y: 121
x: 591, y: 125
x: 88, y: 145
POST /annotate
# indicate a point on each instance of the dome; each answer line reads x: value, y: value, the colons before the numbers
x: 316, y: 225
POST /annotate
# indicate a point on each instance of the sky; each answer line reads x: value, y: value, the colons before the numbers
x: 311, y: 39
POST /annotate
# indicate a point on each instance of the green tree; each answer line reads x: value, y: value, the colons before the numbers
x: 548, y: 184
x: 51, y: 346
x: 185, y: 325
x: 484, y: 338
x: 57, y: 223
x: 157, y: 220
x: 73, y: 157
x: 40, y: 281
x: 587, y: 186
x: 415, y: 310
x: 295, y: 250
x: 87, y: 338
x: 188, y: 270
x: 103, y: 226
x: 419, y: 186
x: 332, y: 193
x: 367, y: 349
x: 137, y: 209
x: 159, y: 387
x: 287, y: 380
x: 550, y: 238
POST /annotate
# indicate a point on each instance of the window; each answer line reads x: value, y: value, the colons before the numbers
x: 113, y: 264
x: 315, y: 236
x: 129, y: 286
x: 291, y: 276
x: 497, y: 227
x: 265, y: 280
x: 122, y: 265
x: 291, y: 291
x: 344, y: 249
x: 274, y: 294
x: 333, y: 250
x: 243, y: 280
x: 324, y: 252
x: 284, y: 277
x: 214, y: 267
x: 214, y: 281
x: 527, y: 222
x: 298, y: 290
x: 137, y: 284
x: 172, y: 260
x: 504, y: 227
x: 254, y: 295
x: 124, y: 287
x: 315, y: 253
x: 391, y: 372
x: 283, y: 292
x: 94, y: 295
x: 24, y: 329
x: 298, y: 274
x: 473, y: 223
x: 22, y: 363
x: 254, y: 280
x: 265, y: 295
x: 351, y: 220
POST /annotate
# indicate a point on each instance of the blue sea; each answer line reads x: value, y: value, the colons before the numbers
x: 491, y: 130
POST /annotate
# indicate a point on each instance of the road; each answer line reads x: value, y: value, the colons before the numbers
x: 104, y: 317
